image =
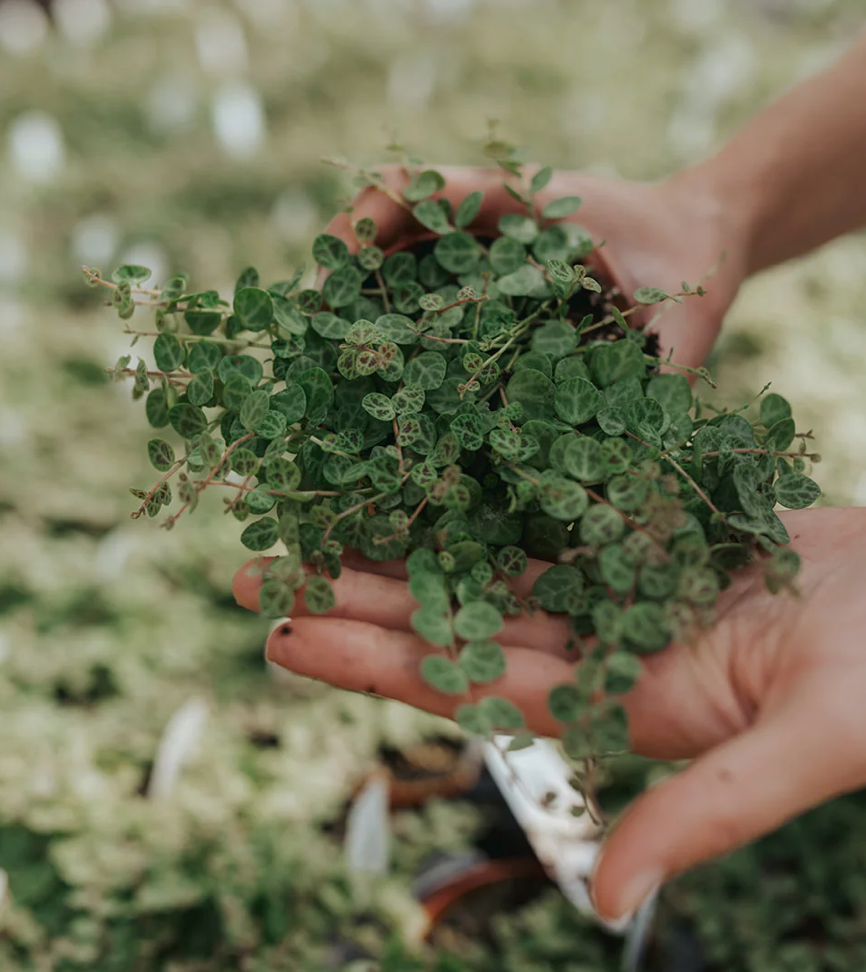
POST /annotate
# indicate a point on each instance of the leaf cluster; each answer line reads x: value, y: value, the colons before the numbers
x: 470, y: 403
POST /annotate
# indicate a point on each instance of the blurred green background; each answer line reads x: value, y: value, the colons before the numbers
x: 187, y: 136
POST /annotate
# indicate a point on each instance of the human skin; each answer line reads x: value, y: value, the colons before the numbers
x: 768, y: 704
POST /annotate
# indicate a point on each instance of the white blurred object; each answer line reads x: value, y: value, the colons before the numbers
x: 171, y: 102
x: 270, y: 14
x: 35, y: 146
x: 13, y: 257
x: 13, y: 430
x: 368, y: 831
x: 535, y: 784
x: 412, y: 81
x: 859, y: 498
x: 449, y: 11
x: 294, y: 215
x: 697, y: 16
x: 23, y: 26
x: 152, y: 256
x: 14, y: 314
x: 221, y: 44
x: 95, y: 239
x: 4, y: 886
x: 179, y: 741
x: 238, y: 119
x: 82, y: 22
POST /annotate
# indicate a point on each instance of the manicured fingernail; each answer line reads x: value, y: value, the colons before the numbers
x: 641, y: 887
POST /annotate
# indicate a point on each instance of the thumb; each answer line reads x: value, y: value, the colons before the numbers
x: 731, y: 795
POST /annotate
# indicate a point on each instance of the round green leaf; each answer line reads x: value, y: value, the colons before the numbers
x: 646, y: 627
x: 204, y: 356
x: 565, y: 703
x: 427, y: 370
x: 330, y: 252
x: 432, y: 216
x: 468, y: 210
x: 168, y: 352
x: 423, y: 184
x: 600, y: 525
x: 276, y: 598
x: 501, y: 713
x: 483, y: 661
x: 562, y: 499
x: 283, y: 474
x: 622, y: 671
x: 477, y: 621
x: 161, y: 454
x: 254, y: 409
x: 292, y: 402
x: 319, y: 595
x: 797, y: 491
x: 577, y: 400
x: 260, y: 535
x: 240, y: 364
x: 253, y: 308
x: 342, y: 287
x: 457, y: 252
x: 559, y: 588
x: 330, y: 326
x: 534, y: 391
x: 471, y: 719
x: 444, y: 675
x: 187, y: 420
x: 774, y: 409
x: 506, y: 255
x: 156, y: 408
x: 558, y: 208
x: 519, y: 228
x: 200, y: 390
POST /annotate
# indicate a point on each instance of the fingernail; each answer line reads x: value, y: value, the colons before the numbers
x: 278, y: 635
x: 641, y: 887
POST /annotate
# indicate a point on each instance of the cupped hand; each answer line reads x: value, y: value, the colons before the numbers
x: 653, y: 235
x: 768, y: 703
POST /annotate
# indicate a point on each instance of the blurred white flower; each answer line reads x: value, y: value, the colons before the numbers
x: 412, y: 80
x: 13, y: 431
x: 82, y: 22
x: 152, y: 256
x: 220, y: 42
x: 13, y: 257
x: 294, y: 215
x: 269, y: 14
x: 238, y: 119
x: 697, y: 16
x: 95, y: 239
x: 450, y: 10
x: 171, y: 103
x: 23, y: 26
x: 35, y: 146
x: 179, y: 742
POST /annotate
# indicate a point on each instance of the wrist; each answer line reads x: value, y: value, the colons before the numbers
x: 723, y: 209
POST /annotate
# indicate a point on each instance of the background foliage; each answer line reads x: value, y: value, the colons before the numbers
x: 187, y: 136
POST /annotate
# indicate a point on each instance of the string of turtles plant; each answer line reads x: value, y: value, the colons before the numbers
x: 469, y: 403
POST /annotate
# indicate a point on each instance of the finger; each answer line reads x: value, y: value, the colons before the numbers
x: 247, y: 582
x: 387, y: 602
x: 733, y: 794
x: 385, y: 568
x: 366, y: 658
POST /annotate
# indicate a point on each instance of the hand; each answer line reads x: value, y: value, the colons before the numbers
x: 654, y: 234
x: 769, y: 702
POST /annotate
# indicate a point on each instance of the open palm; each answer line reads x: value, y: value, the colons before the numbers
x: 768, y: 702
